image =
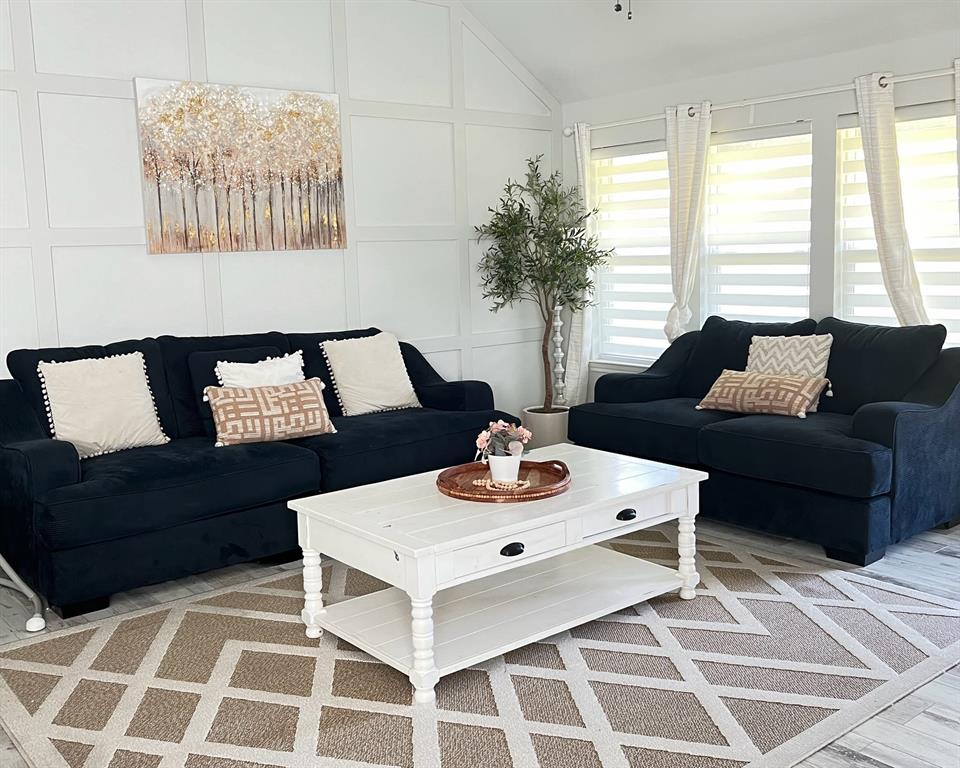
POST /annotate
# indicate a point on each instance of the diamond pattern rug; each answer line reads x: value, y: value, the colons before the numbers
x: 772, y: 660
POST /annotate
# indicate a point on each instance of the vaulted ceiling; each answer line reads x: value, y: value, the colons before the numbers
x: 581, y: 48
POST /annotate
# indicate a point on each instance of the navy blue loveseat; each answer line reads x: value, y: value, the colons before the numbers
x: 78, y: 531
x: 878, y: 462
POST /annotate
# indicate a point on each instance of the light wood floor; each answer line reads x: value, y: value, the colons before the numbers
x: 922, y: 730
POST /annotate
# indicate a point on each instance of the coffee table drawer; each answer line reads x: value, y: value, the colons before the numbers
x: 501, y: 551
x: 604, y: 520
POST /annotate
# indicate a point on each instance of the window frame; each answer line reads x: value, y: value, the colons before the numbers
x: 735, y: 136
x: 936, y: 109
x: 652, y: 146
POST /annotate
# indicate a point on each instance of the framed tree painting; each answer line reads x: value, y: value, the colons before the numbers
x: 229, y: 168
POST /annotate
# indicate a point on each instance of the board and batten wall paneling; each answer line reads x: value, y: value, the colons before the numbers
x: 121, y: 291
x: 294, y: 291
x: 18, y: 309
x: 435, y: 115
x: 13, y: 189
x: 269, y: 43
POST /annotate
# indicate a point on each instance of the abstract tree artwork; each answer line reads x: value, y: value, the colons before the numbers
x: 229, y: 168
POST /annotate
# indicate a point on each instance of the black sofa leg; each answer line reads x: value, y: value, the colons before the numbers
x: 855, y: 558
x: 949, y: 524
x: 70, y: 610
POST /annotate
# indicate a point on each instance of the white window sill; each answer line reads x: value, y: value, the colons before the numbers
x: 599, y: 367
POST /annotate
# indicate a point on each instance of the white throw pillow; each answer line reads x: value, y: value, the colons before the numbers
x: 369, y: 374
x: 272, y: 372
x: 806, y: 356
x: 101, y: 405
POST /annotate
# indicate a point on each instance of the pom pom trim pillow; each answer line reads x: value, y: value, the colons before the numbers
x: 101, y: 405
x: 268, y: 372
x: 749, y: 392
x: 369, y: 374
x: 791, y: 356
x: 267, y: 414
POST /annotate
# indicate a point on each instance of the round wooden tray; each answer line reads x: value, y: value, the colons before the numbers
x: 547, y: 478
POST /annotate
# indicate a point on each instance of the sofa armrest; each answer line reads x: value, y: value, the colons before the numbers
x: 926, y: 454
x: 633, y: 387
x: 27, y: 470
x: 879, y: 422
x: 659, y: 382
x: 456, y: 396
x: 39, y: 465
x: 435, y: 392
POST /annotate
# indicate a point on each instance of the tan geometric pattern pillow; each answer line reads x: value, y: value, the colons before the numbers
x: 791, y: 356
x: 747, y: 392
x: 265, y: 414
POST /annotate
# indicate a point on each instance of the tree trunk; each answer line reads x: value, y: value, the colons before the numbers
x: 283, y: 209
x: 545, y: 358
x: 156, y: 169
x: 183, y: 207
x: 253, y: 217
x: 273, y: 225
x: 196, y: 210
x: 303, y: 237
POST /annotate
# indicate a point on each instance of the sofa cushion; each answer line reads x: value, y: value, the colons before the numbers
x: 23, y: 367
x: 203, y: 373
x: 817, y: 452
x: 874, y: 363
x: 726, y: 344
x: 147, y: 489
x: 315, y: 364
x: 661, y: 430
x: 102, y: 405
x: 176, y: 351
x: 382, y: 446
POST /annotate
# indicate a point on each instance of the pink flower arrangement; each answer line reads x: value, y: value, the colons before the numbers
x: 502, y: 439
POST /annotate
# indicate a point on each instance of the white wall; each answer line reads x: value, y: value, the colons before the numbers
x: 435, y: 116
x: 931, y: 52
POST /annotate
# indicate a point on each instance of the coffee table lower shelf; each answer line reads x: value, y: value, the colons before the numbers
x: 484, y: 618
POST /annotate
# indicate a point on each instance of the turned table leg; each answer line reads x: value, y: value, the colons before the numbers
x: 687, y: 547
x: 312, y: 593
x: 425, y: 674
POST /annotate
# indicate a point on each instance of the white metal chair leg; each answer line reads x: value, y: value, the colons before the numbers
x: 36, y: 622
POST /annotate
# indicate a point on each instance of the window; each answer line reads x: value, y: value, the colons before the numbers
x: 634, y: 293
x: 756, y: 256
x: 927, y: 149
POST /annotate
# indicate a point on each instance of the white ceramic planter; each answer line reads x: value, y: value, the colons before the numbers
x: 547, y: 428
x: 504, y: 469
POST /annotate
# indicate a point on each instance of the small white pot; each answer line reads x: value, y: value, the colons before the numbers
x: 547, y: 428
x: 504, y: 469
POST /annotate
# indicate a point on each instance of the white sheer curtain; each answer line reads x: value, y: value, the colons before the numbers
x: 956, y: 106
x: 581, y: 324
x: 878, y: 132
x: 688, y: 140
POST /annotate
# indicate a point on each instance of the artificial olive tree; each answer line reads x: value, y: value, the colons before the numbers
x: 539, y: 251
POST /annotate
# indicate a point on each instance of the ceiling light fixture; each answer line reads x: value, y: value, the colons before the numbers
x: 617, y: 7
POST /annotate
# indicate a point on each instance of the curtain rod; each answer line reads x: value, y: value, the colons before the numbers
x: 568, y: 131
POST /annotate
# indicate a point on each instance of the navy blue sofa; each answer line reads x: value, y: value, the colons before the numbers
x: 878, y: 463
x: 78, y: 531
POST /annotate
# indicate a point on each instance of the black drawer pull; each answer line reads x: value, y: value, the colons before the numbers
x: 512, y: 549
x: 627, y: 514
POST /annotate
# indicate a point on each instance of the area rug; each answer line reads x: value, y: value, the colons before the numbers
x: 772, y: 660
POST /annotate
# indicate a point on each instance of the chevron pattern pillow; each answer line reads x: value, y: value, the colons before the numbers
x: 806, y: 356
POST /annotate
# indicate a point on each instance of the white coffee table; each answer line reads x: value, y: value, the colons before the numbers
x: 471, y: 581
